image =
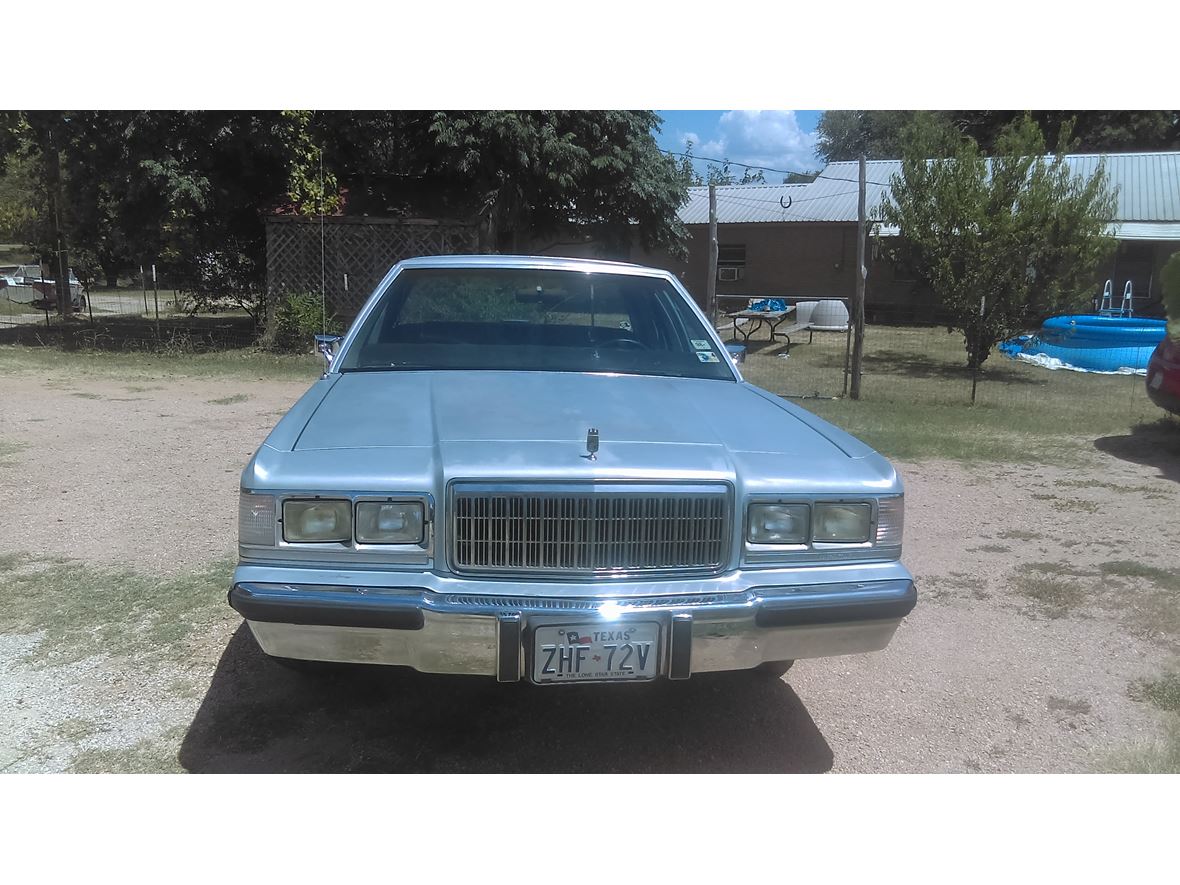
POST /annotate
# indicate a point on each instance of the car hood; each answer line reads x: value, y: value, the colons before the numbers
x: 534, y: 424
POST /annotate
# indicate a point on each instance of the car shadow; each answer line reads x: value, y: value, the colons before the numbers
x: 1154, y: 444
x: 257, y: 716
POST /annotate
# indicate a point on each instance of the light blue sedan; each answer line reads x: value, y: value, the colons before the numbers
x: 551, y: 469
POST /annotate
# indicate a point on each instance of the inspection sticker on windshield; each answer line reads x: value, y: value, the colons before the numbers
x: 701, y: 344
x: 709, y: 357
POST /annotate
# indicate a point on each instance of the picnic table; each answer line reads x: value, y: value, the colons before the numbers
x: 771, y: 319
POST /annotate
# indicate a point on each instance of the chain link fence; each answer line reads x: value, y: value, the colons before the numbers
x: 349, y: 256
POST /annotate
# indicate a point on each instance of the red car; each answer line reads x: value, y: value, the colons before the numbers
x: 1163, y: 375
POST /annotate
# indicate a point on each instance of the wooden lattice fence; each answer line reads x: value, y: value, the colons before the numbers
x: 356, y: 254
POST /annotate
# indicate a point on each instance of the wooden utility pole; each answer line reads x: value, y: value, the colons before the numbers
x: 60, y: 266
x: 711, y: 290
x: 858, y: 302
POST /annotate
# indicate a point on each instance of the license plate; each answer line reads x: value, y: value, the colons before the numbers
x: 1157, y: 381
x: 595, y: 653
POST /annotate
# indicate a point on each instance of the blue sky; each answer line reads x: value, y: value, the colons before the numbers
x: 779, y: 139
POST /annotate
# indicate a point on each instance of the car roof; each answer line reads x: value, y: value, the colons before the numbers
x: 586, y: 265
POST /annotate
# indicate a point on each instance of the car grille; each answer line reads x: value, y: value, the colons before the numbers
x: 589, y: 529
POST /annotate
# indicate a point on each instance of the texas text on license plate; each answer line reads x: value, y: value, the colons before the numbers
x: 593, y: 652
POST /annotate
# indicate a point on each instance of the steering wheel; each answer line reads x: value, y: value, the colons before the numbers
x: 626, y: 343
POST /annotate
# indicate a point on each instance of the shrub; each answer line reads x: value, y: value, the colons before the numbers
x: 1170, y: 277
x: 296, y: 318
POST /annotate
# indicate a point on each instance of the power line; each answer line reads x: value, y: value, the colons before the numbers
x: 769, y: 168
x: 787, y: 215
x: 749, y: 199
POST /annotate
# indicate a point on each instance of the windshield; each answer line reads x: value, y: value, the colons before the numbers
x: 534, y: 320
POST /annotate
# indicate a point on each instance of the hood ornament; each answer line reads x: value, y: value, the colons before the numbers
x: 591, y: 444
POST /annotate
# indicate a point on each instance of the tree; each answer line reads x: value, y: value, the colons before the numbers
x: 526, y: 175
x: 998, y: 241
x: 185, y: 190
x: 1093, y: 131
x: 845, y: 135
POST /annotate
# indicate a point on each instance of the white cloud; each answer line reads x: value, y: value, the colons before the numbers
x: 761, y: 138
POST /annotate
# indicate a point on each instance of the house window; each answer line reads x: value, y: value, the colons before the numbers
x: 731, y: 263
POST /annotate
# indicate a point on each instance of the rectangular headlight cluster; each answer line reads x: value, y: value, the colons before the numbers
x: 825, y: 522
x: 329, y: 520
x: 321, y: 520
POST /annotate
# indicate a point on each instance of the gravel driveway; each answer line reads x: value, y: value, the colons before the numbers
x: 1033, y: 622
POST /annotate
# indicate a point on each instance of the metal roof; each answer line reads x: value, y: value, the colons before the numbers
x: 743, y: 203
x: 1147, y: 186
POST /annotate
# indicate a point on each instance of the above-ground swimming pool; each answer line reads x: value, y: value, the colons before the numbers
x: 1090, y: 343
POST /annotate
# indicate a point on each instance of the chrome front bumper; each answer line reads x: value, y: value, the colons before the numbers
x: 489, y: 635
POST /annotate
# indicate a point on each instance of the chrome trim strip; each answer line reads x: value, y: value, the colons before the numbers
x: 719, y: 605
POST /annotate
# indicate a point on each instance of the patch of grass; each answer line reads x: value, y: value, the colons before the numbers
x: 1059, y: 503
x: 242, y: 363
x: 1067, y: 705
x: 1142, y: 490
x: 83, y: 395
x: 956, y: 584
x: 228, y: 400
x: 1163, y: 692
x: 915, y: 398
x: 1020, y: 535
x: 9, y: 448
x: 1056, y: 568
x: 9, y: 308
x: 148, y: 756
x: 10, y: 561
x: 84, y: 611
x: 75, y: 729
x: 989, y: 548
x: 1165, y: 579
x: 1160, y: 757
x: 1055, y: 597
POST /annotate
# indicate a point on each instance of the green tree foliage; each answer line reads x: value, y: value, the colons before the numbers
x: 524, y: 175
x: 189, y: 191
x: 719, y: 175
x: 844, y: 135
x: 1018, y: 233
x: 185, y: 190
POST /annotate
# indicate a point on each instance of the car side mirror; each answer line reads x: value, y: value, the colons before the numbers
x: 326, y: 345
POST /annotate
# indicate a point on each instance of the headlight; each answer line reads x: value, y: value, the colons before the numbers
x: 778, y: 524
x: 317, y: 520
x: 256, y: 519
x: 378, y: 522
x: 843, y: 523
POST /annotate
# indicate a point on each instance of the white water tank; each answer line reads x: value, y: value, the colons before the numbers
x: 829, y: 316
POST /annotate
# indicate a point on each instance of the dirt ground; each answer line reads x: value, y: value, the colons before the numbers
x: 1040, y: 606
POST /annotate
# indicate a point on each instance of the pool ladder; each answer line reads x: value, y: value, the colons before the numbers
x: 1108, y: 309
